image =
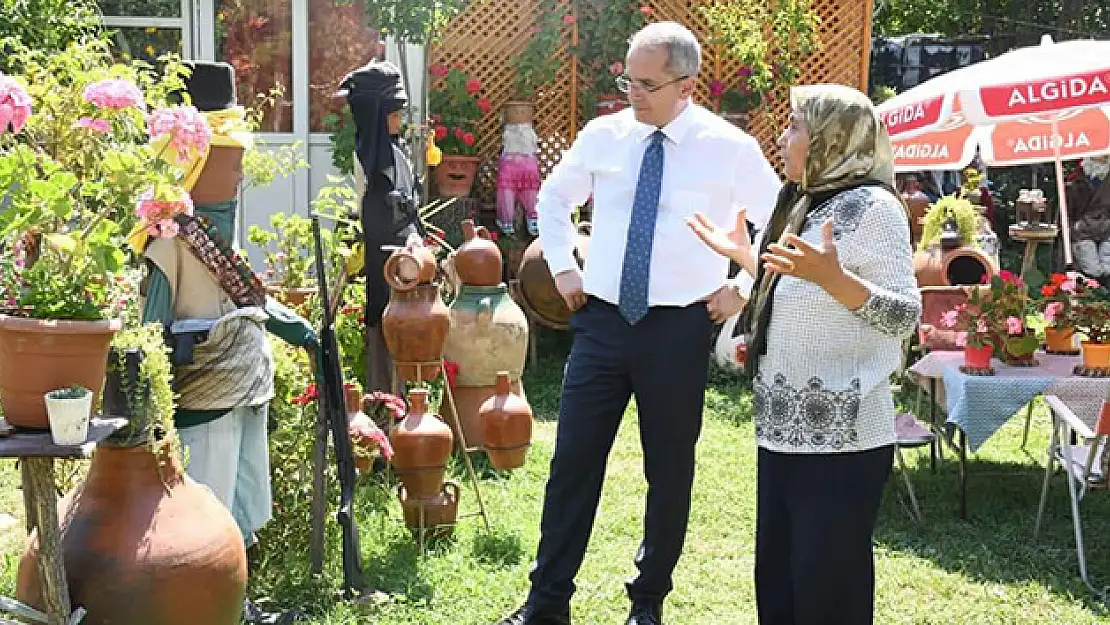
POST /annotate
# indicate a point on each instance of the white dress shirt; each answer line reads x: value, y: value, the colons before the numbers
x: 710, y: 166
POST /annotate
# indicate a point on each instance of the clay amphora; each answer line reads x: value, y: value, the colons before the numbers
x: 468, y: 399
x: 143, y: 543
x: 440, y: 511
x: 506, y: 425
x: 421, y: 445
x: 478, y: 259
x: 489, y: 333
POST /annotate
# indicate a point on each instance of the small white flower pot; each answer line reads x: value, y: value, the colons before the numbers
x: 69, y: 419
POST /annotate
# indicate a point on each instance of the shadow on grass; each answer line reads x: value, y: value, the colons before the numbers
x: 995, y: 543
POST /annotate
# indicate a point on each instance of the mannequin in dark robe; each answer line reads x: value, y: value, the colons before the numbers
x: 376, y: 96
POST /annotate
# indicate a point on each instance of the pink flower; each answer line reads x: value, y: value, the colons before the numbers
x: 473, y: 86
x: 616, y: 68
x: 157, y: 213
x: 961, y: 339
x: 1014, y: 325
x: 1010, y: 277
x: 1092, y: 283
x: 102, y: 126
x: 569, y: 19
x: 438, y: 70
x: 949, y: 319
x: 484, y: 105
x: 441, y: 133
x: 744, y: 72
x: 186, y: 127
x: 645, y: 10
x: 716, y: 88
x: 981, y: 327
x: 1053, y: 309
x: 1069, y: 286
x: 15, y: 105
x: 114, y: 93
x: 468, y: 138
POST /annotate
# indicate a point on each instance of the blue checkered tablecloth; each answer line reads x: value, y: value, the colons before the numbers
x: 980, y: 405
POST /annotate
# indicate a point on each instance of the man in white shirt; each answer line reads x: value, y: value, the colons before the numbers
x: 644, y: 310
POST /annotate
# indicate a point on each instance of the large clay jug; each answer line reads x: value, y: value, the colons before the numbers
x: 961, y: 266
x: 468, y: 399
x: 506, y: 426
x: 143, y: 543
x: 478, y: 259
x: 416, y: 321
x: 537, y: 286
x: 421, y: 445
x: 489, y: 333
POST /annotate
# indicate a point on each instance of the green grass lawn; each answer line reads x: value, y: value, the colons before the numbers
x: 985, y: 570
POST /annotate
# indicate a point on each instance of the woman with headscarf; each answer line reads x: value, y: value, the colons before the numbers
x: 833, y: 299
x: 376, y: 96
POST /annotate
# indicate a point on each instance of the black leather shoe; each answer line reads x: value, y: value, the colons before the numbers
x: 527, y: 615
x: 645, y: 613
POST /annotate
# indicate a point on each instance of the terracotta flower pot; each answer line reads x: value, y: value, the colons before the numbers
x: 1059, y: 339
x: 455, y: 175
x: 421, y: 445
x: 1096, y: 355
x: 978, y: 357
x: 506, y: 426
x: 40, y: 355
x: 478, y: 259
x: 293, y: 298
x: 143, y: 543
x: 519, y: 112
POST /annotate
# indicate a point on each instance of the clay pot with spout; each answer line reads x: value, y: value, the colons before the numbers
x: 143, y: 543
x: 506, y: 425
x: 489, y: 333
x: 468, y: 400
x: 478, y: 259
x: 537, y: 286
x: 416, y: 321
x: 440, y: 511
x: 421, y: 445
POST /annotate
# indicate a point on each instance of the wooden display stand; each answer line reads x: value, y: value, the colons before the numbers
x: 36, y: 453
x: 1032, y: 236
x: 460, y: 443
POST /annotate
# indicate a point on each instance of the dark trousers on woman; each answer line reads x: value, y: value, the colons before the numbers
x: 816, y: 516
x: 662, y: 361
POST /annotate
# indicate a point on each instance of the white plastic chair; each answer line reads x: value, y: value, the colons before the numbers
x: 1085, y: 464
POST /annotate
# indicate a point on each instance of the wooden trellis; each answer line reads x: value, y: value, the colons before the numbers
x: 486, y: 38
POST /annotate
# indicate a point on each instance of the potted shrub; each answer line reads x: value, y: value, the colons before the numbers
x: 88, y: 149
x: 976, y: 335
x: 456, y: 105
x: 951, y: 222
x: 290, y: 263
x: 69, y: 410
x: 1057, y: 298
x: 997, y: 317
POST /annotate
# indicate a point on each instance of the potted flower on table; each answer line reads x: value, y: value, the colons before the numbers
x: 1090, y: 315
x: 976, y: 335
x: 456, y: 106
x: 81, y: 162
x: 995, y: 321
x: 1058, y: 297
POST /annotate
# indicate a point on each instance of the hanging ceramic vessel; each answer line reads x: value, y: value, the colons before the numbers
x: 478, y: 259
x: 144, y: 543
x: 421, y: 445
x: 506, y: 425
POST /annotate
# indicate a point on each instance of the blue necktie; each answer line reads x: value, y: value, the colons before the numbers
x: 641, y: 232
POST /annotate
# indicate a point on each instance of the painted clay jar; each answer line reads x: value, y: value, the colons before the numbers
x: 489, y: 333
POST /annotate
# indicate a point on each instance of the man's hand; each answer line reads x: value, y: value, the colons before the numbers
x: 569, y: 285
x: 725, y: 303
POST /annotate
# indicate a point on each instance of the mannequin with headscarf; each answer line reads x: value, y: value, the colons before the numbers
x: 388, y: 185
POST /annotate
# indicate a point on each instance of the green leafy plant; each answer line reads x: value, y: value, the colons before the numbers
x: 950, y: 207
x: 770, y: 38
x: 997, y: 315
x: 289, y: 248
x: 604, y: 28
x: 456, y: 106
x: 150, y: 397
x: 1090, y: 310
x: 46, y: 25
x: 72, y: 392
x: 537, y: 63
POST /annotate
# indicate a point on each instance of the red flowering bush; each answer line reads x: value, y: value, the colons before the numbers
x: 456, y: 105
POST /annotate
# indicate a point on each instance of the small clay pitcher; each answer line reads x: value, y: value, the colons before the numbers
x: 359, y: 425
x: 440, y: 511
x: 410, y: 266
x: 478, y: 259
x: 421, y: 445
x: 506, y: 425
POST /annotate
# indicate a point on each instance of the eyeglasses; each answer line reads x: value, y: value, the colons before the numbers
x: 625, y: 84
